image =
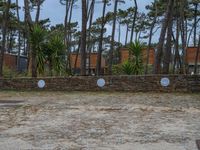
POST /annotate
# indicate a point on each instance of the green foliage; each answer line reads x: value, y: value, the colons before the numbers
x: 38, y: 39
x: 47, y: 49
x: 128, y: 68
x: 136, y: 53
x: 56, y: 54
x: 117, y: 69
x: 134, y: 64
x: 9, y: 73
x: 150, y: 68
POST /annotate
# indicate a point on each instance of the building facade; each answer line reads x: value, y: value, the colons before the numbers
x: 91, y: 61
x: 191, y: 54
x: 124, y: 55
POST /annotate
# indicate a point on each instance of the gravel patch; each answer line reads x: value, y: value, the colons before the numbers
x: 99, y: 121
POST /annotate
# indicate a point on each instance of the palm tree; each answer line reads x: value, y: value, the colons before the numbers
x: 136, y: 53
x: 128, y: 67
x: 37, y: 40
x: 55, y: 52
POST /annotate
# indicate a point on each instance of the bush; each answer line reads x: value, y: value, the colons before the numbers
x: 117, y: 69
x: 128, y: 68
x: 136, y: 52
x: 9, y: 73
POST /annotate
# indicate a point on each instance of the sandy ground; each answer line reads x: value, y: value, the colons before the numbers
x: 99, y: 121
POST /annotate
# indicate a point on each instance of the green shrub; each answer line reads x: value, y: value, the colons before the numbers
x: 128, y: 67
x: 117, y: 69
x: 136, y: 52
x: 9, y: 73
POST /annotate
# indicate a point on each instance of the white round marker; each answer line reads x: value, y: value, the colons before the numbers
x: 165, y: 82
x: 101, y: 82
x: 41, y: 84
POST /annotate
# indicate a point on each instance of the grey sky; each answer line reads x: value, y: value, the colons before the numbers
x: 53, y: 10
x: 56, y: 12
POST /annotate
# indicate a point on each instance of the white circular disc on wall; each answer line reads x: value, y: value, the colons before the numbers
x: 165, y: 82
x: 41, y: 84
x: 101, y: 82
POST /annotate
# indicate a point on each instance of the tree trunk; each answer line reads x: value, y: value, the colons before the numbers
x: 83, y: 38
x: 119, y: 33
x: 176, y: 45
x: 149, y: 43
x: 168, y: 49
x: 183, y: 28
x: 177, y: 59
x: 196, y: 59
x: 24, y: 44
x: 68, y: 65
x: 38, y: 11
x: 89, y: 48
x: 127, y: 28
x: 66, y: 24
x: 134, y: 20
x: 112, y: 40
x: 195, y: 23
x: 157, y: 66
x: 77, y: 54
x: 66, y: 20
x: 190, y: 33
x: 98, y: 66
x: 28, y: 25
x: 19, y: 39
x: 10, y: 46
x: 4, y: 32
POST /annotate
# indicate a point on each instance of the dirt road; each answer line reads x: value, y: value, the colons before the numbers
x: 99, y: 121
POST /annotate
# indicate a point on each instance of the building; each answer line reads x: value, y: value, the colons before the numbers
x: 124, y: 55
x: 190, y: 59
x: 75, y: 61
x: 10, y: 61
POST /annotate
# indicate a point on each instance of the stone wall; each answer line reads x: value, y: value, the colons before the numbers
x: 150, y: 83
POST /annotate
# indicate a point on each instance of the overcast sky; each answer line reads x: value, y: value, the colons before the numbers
x: 53, y: 10
x: 56, y: 12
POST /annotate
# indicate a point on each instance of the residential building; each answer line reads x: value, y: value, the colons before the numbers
x: 190, y: 59
x: 10, y: 61
x: 124, y: 55
x: 75, y: 60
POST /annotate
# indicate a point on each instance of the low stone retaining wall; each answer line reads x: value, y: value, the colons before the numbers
x: 178, y: 83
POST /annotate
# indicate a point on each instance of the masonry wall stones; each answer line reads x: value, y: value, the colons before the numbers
x: 150, y: 83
